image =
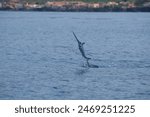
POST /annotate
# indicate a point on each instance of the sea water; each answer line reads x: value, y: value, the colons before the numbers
x: 40, y: 59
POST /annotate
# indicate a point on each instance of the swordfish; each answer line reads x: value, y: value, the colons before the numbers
x: 80, y: 45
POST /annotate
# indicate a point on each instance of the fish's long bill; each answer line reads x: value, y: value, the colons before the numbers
x: 75, y: 36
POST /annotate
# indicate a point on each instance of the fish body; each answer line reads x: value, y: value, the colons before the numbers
x: 81, y: 48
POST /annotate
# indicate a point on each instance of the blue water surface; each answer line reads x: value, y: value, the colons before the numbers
x: 40, y: 59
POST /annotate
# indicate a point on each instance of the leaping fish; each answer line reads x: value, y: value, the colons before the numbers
x: 80, y: 45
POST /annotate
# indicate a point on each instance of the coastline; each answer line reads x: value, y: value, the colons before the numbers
x: 137, y: 9
x: 75, y: 6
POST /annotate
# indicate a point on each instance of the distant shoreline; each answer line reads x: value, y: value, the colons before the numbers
x: 75, y: 6
x: 139, y: 9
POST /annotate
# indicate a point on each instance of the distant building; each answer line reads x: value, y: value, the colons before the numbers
x: 56, y: 4
x: 112, y: 4
x: 96, y: 5
x: 33, y: 6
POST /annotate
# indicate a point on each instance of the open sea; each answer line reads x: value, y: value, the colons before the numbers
x: 40, y: 59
